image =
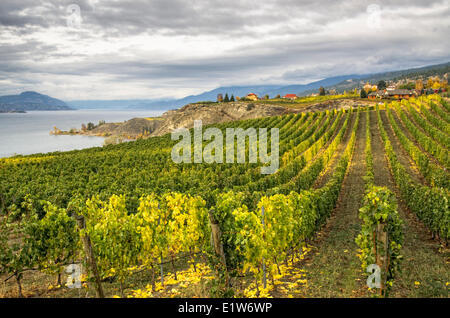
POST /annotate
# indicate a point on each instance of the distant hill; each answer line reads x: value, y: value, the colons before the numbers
x: 31, y: 101
x: 300, y: 89
x: 340, y: 83
x: 260, y: 90
x: 35, y: 101
x: 413, y: 73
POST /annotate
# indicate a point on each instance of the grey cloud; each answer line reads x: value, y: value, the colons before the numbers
x: 175, y: 17
x: 309, y: 53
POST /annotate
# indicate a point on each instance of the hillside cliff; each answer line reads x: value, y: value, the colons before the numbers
x: 185, y: 117
x: 215, y: 113
x: 208, y: 113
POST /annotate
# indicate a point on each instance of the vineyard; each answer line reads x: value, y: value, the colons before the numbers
x: 354, y: 188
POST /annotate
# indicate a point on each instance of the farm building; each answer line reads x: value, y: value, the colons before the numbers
x: 399, y: 93
x: 252, y: 96
x: 377, y: 94
x: 392, y: 93
x: 372, y: 95
x: 290, y: 96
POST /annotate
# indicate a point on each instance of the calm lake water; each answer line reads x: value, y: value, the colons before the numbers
x: 24, y: 134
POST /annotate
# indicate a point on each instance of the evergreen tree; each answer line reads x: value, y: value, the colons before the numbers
x: 363, y: 93
x: 226, y: 99
x: 381, y: 85
x: 232, y: 98
x: 321, y: 91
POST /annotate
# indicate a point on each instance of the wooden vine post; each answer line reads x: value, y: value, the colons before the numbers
x: 216, y: 241
x: 263, y: 260
x: 90, y: 257
x: 161, y: 268
x: 382, y: 255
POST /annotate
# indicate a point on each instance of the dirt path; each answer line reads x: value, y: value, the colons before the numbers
x: 423, y: 261
x: 332, y: 268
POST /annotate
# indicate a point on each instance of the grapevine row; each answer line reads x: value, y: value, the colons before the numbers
x: 430, y: 204
x: 380, y: 224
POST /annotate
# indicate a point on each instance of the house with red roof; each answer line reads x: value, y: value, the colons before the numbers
x: 290, y: 96
x: 252, y: 96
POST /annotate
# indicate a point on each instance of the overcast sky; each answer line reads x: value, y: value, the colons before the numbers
x: 172, y: 48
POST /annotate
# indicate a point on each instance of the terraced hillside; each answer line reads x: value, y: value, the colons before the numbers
x: 354, y: 188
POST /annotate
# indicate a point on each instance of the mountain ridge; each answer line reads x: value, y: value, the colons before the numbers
x: 411, y: 73
x: 340, y: 83
x: 30, y: 100
x: 35, y: 101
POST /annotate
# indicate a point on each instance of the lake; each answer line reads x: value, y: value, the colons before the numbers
x: 24, y: 134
